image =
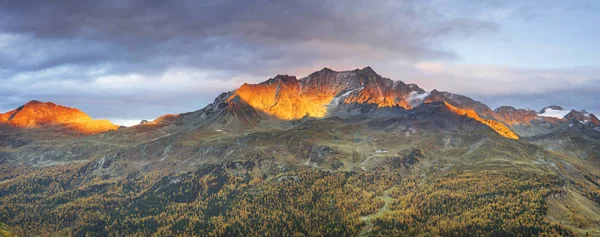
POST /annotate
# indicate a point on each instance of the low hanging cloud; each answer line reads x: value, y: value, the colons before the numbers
x: 136, y: 59
x: 521, y: 87
x: 493, y: 80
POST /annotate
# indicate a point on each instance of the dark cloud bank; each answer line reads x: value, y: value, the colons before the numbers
x: 141, y: 59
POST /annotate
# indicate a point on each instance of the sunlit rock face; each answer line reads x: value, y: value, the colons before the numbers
x: 282, y: 97
x: 510, y: 115
x: 462, y: 102
x: 497, y: 126
x: 288, y: 98
x: 37, y: 114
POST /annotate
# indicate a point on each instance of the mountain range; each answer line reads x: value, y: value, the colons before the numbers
x: 350, y: 122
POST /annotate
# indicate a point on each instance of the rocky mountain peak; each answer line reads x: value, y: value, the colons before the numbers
x: 583, y: 117
x: 325, y: 70
x: 281, y: 78
x: 505, y: 108
x: 511, y: 115
x: 288, y: 98
x: 36, y: 114
x: 367, y: 70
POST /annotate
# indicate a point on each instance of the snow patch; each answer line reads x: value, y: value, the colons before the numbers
x: 126, y: 122
x: 415, y: 98
x: 554, y: 113
x: 415, y: 95
x: 337, y: 99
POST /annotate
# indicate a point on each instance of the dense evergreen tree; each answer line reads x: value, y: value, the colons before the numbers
x: 228, y: 201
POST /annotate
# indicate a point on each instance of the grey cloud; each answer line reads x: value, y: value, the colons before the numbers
x: 575, y: 88
x: 568, y: 99
x: 110, y: 58
x: 142, y: 30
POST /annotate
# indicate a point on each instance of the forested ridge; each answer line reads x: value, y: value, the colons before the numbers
x: 238, y: 199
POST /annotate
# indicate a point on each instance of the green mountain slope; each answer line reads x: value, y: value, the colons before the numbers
x: 233, y: 170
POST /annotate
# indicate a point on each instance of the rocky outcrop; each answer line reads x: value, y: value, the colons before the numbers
x: 510, y: 115
x: 583, y: 117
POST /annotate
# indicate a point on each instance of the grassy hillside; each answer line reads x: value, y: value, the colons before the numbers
x: 333, y: 177
x: 433, y: 196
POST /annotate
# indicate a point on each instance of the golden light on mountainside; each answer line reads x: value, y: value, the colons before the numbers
x: 497, y: 126
x: 165, y: 119
x: 284, y: 98
x: 380, y: 95
x: 37, y: 114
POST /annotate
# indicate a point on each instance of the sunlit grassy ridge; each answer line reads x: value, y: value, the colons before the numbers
x: 37, y: 114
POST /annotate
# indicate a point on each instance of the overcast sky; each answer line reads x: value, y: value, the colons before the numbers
x: 132, y: 60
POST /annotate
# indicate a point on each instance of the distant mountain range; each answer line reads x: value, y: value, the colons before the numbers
x: 354, y: 123
x: 284, y: 101
x: 325, y: 93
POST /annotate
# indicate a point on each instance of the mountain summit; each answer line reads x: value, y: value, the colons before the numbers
x: 36, y: 114
x: 327, y: 93
x: 288, y: 98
